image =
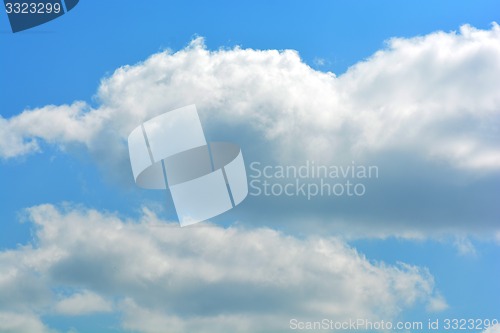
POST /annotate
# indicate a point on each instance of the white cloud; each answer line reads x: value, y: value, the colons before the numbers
x: 434, y: 95
x: 55, y: 124
x: 82, y: 303
x: 437, y: 304
x: 465, y: 246
x: 207, y: 278
x: 155, y: 321
x: 12, y: 322
x: 21, y: 288
x: 424, y: 109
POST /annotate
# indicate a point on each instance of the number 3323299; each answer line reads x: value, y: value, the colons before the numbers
x: 32, y: 8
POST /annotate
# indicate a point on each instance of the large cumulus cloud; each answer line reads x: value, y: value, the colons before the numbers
x: 424, y: 109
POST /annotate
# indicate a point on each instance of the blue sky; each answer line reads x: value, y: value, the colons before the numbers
x: 428, y: 98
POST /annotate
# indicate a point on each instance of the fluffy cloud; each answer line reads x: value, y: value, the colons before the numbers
x: 12, y: 322
x: 54, y: 124
x: 426, y: 110
x: 435, y: 95
x: 203, y: 279
x: 82, y: 303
